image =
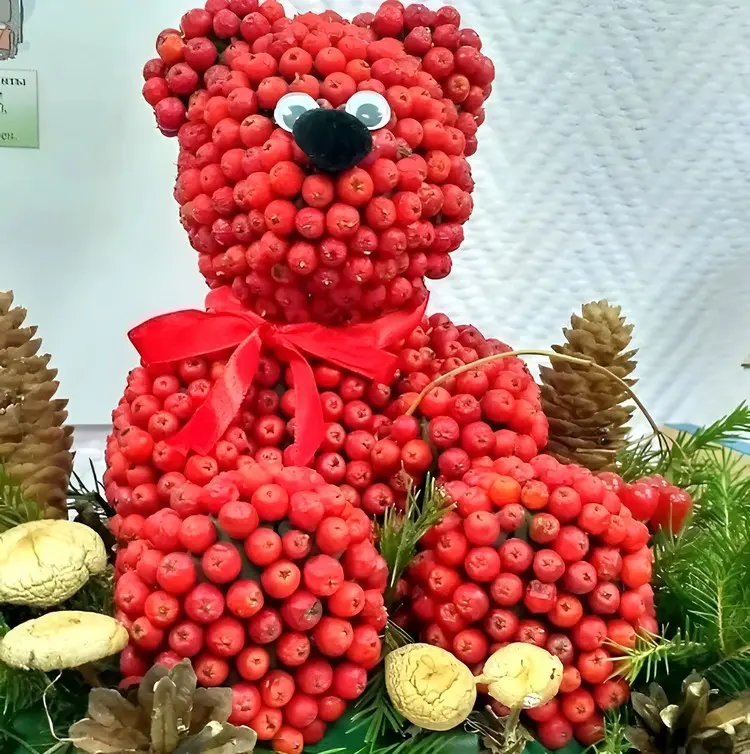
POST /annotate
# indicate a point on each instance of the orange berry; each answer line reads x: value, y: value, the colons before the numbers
x: 534, y: 495
x: 504, y: 491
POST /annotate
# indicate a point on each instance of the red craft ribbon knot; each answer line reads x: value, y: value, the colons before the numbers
x: 227, y: 324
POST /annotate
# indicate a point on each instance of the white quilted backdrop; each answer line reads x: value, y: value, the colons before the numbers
x: 615, y: 162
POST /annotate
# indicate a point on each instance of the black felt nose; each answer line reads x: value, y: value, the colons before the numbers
x: 332, y: 139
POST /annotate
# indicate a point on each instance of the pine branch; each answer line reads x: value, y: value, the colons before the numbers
x: 704, y: 587
x: 731, y: 674
x: 95, y: 596
x: 376, y: 713
x: 653, y: 654
x: 701, y: 574
x: 396, y: 637
x: 19, y: 689
x: 711, y: 583
x: 399, y: 533
x: 642, y: 457
x: 15, y: 507
x: 614, y: 741
x: 724, y: 499
x: 683, y: 460
x: 732, y: 428
x: 81, y: 496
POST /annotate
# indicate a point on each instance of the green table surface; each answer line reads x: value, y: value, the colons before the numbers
x: 340, y: 735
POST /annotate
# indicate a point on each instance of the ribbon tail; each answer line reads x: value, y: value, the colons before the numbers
x: 309, y: 422
x: 224, y: 401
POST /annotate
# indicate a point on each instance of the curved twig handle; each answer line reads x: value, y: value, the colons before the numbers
x: 535, y: 352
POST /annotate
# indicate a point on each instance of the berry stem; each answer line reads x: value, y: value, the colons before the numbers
x: 535, y: 352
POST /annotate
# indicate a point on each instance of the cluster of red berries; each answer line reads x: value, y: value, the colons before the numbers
x: 266, y: 577
x: 540, y: 552
x: 296, y: 244
x: 482, y: 413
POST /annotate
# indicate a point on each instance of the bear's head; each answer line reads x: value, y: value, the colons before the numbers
x: 323, y: 168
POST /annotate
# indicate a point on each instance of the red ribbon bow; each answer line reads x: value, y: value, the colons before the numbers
x: 191, y: 333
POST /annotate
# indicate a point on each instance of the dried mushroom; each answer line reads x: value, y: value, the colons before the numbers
x: 43, y: 563
x: 63, y: 639
x: 522, y: 675
x: 429, y: 686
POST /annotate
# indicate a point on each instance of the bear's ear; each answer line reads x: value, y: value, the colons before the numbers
x: 462, y: 78
x: 451, y: 64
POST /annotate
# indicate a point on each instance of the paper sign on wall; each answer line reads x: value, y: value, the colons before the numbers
x: 19, y: 109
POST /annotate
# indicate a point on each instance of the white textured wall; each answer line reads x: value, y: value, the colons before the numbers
x: 615, y: 162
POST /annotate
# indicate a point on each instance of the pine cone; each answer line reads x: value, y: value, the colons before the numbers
x: 587, y: 416
x: 685, y: 727
x: 166, y: 713
x: 34, y: 441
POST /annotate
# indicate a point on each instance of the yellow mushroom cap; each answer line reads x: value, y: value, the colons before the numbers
x: 522, y: 675
x: 43, y: 563
x: 63, y: 639
x: 429, y: 686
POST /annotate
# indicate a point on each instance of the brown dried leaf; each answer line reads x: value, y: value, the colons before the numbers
x: 94, y: 738
x: 218, y: 738
x: 164, y: 734
x: 210, y: 705
x: 109, y: 708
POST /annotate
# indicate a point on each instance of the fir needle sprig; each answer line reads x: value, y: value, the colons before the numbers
x: 400, y: 532
x: 652, y: 654
x: 701, y: 573
x: 15, y: 507
x: 684, y: 459
x: 375, y: 712
x: 614, y: 741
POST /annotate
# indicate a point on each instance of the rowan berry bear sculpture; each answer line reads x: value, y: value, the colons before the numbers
x: 323, y: 168
x: 322, y: 176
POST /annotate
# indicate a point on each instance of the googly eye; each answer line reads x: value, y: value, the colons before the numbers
x: 290, y: 107
x: 369, y: 108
